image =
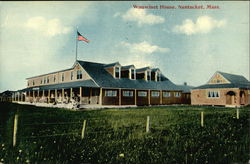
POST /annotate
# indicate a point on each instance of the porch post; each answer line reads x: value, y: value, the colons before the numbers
x: 160, y: 96
x: 90, y: 95
x: 135, y: 97
x: 38, y: 95
x: 33, y: 96
x: 71, y: 90
x: 43, y: 93
x: 120, y: 97
x: 80, y: 95
x: 55, y: 94
x: 29, y: 96
x: 149, y: 96
x: 48, y: 96
x: 100, y: 97
x: 62, y: 94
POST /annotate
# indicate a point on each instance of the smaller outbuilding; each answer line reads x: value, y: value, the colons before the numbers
x: 223, y: 89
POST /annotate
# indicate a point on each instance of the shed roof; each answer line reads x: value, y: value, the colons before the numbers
x: 75, y: 84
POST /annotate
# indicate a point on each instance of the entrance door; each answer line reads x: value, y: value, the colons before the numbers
x: 230, y: 98
x: 242, y: 97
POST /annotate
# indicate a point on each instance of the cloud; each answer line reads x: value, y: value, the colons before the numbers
x: 144, y: 48
x: 141, y: 17
x: 49, y: 27
x: 203, y: 24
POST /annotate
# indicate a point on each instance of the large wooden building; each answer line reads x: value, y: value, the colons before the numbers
x: 103, y: 84
x: 223, y: 89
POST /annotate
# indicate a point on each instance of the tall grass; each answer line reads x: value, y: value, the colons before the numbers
x: 48, y: 135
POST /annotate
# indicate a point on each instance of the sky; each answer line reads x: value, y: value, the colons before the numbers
x: 187, y: 45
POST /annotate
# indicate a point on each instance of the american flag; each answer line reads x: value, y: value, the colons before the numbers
x: 80, y: 37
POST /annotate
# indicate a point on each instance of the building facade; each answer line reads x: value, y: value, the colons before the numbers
x: 103, y: 84
x: 222, y: 89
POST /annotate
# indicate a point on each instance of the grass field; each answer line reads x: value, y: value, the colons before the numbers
x: 48, y: 135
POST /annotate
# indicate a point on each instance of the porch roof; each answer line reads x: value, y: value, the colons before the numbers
x: 76, y: 84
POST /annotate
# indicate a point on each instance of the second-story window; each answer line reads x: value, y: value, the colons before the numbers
x: 79, y: 74
x: 62, y: 76
x: 148, y: 75
x: 133, y: 74
x: 54, y: 78
x: 48, y: 79
x: 117, y: 72
x: 33, y: 82
x: 44, y: 80
x: 28, y: 84
x: 71, y: 75
x: 41, y: 81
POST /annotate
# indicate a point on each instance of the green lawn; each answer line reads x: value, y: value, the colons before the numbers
x: 50, y: 135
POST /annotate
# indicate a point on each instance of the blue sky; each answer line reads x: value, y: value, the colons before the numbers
x: 188, y: 45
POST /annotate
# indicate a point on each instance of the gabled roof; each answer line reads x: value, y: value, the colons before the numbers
x: 155, y: 69
x: 110, y: 65
x: 105, y: 80
x: 234, y: 78
x: 236, y: 81
x: 142, y: 69
x: 127, y: 67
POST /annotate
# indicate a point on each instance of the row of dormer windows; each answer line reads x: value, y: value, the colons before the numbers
x: 131, y: 73
x: 46, y: 79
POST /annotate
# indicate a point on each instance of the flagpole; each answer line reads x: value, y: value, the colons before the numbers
x: 76, y: 42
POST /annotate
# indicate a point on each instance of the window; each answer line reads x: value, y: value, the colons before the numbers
x: 28, y: 83
x: 128, y: 93
x: 44, y: 80
x: 54, y: 78
x: 41, y: 81
x: 71, y: 75
x: 213, y: 94
x: 48, y: 79
x: 111, y: 93
x: 117, y: 72
x: 218, y: 81
x: 79, y: 74
x: 148, y: 75
x: 133, y: 74
x: 158, y: 76
x: 166, y: 94
x: 177, y: 94
x: 155, y: 94
x: 62, y: 76
x: 142, y: 93
x: 33, y: 82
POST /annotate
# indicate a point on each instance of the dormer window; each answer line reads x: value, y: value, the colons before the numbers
x: 158, y: 76
x: 149, y: 75
x: 133, y: 74
x: 117, y: 72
